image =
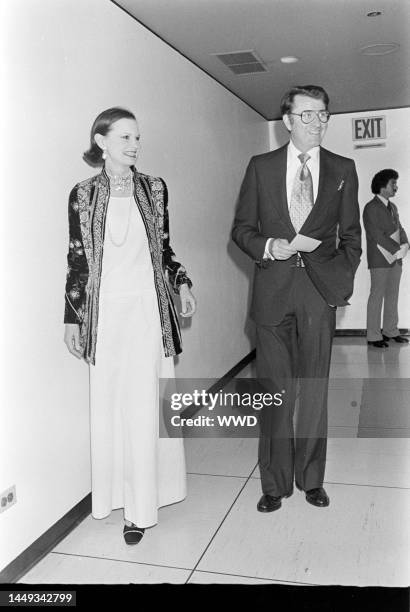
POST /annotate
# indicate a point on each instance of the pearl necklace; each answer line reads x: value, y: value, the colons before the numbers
x: 120, y: 244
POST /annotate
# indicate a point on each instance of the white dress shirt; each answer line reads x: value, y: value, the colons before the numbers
x: 384, y: 200
x: 292, y: 167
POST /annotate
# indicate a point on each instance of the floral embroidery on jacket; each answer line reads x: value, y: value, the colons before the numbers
x: 88, y: 203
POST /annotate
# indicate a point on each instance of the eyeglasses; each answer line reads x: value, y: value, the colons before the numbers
x: 307, y: 116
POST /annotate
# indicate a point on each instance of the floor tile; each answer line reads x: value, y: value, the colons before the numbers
x: 182, y: 533
x: 356, y: 541
x: 369, y: 461
x: 381, y: 406
x: 400, y: 448
x: 362, y: 353
x: 226, y: 456
x: 212, y: 578
x: 69, y: 569
x: 344, y: 406
x: 380, y: 462
x: 372, y: 405
x: 370, y: 370
x: 354, y: 386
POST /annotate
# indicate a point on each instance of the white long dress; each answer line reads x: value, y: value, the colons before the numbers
x: 132, y: 467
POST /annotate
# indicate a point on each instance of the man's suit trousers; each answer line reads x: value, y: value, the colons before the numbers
x: 298, y: 348
x: 385, y: 283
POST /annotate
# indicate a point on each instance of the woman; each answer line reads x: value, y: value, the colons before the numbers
x: 119, y: 317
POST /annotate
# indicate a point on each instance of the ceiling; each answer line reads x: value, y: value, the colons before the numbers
x: 326, y: 36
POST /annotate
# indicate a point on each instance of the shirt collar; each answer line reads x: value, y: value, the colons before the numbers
x: 384, y: 200
x: 294, y: 152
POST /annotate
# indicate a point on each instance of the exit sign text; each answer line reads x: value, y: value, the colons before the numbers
x: 369, y: 128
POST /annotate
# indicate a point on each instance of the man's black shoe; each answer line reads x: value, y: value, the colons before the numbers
x: 399, y: 339
x: 378, y: 343
x: 317, y: 497
x: 269, y: 503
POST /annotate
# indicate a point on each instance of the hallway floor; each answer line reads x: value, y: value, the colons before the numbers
x: 217, y: 536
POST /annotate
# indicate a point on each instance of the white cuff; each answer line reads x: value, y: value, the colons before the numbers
x: 267, y: 254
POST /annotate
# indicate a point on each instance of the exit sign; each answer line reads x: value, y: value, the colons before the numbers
x: 369, y: 128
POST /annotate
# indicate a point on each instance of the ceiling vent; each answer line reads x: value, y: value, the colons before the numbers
x: 242, y: 62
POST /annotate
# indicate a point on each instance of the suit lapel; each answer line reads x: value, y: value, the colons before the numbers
x: 326, y: 180
x: 283, y: 199
x: 278, y: 186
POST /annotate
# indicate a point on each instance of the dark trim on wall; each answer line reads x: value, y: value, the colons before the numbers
x: 350, y: 332
x: 222, y: 382
x: 45, y: 543
x: 188, y: 59
x: 362, y: 332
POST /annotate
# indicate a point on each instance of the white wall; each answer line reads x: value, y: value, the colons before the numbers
x: 67, y: 61
x: 396, y: 154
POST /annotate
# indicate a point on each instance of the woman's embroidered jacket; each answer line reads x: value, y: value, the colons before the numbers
x: 87, y: 210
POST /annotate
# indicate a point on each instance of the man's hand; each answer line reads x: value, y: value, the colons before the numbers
x: 72, y: 339
x: 279, y: 248
x: 188, y: 302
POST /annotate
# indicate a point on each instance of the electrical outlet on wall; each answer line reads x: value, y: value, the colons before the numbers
x: 8, y: 498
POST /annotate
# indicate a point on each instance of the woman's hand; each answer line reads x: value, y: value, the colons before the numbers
x: 188, y: 302
x: 72, y: 339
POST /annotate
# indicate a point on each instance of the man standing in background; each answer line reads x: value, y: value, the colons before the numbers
x: 304, y: 189
x: 387, y: 244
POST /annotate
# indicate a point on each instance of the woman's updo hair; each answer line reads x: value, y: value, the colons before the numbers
x: 102, y: 125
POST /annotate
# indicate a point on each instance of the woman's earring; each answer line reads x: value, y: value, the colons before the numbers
x: 104, y: 154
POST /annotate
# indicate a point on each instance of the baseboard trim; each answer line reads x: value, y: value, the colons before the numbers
x: 45, y: 543
x: 362, y: 332
x: 223, y: 381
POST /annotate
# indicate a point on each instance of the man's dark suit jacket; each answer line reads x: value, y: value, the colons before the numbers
x: 263, y: 213
x: 380, y: 225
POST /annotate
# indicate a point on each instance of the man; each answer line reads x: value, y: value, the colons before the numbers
x: 384, y: 255
x: 303, y: 188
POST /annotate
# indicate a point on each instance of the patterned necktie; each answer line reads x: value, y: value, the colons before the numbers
x: 391, y: 211
x: 301, y: 200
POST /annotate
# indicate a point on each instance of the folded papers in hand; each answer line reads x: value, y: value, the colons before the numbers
x: 304, y: 243
x: 386, y: 254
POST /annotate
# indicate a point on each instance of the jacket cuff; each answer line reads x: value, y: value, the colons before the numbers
x: 181, y: 278
x: 70, y: 313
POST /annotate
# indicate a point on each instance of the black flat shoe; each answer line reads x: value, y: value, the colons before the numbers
x: 269, y: 503
x: 399, y: 339
x: 317, y: 497
x: 133, y: 534
x: 378, y: 343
